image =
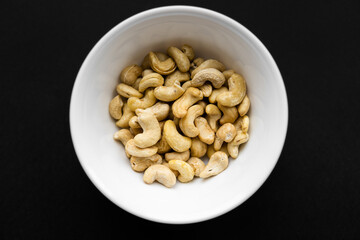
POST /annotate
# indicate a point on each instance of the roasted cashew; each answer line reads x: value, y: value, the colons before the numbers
x: 181, y: 105
x: 115, y: 107
x: 217, y: 163
x: 213, y: 114
x: 230, y: 114
x: 151, y: 129
x: 225, y: 133
x: 233, y: 146
x: 123, y: 122
x: 180, y: 58
x: 198, y: 148
x: 168, y: 94
x: 176, y: 141
x: 189, y: 51
x: 206, y: 89
x: 206, y: 134
x: 210, y: 150
x: 209, y: 74
x: 123, y: 135
x: 236, y: 93
x: 176, y: 76
x: 183, y: 156
x: 129, y: 74
x: 244, y: 106
x: 163, y: 67
x: 139, y: 164
x: 215, y: 93
x: 228, y: 73
x: 197, y: 164
x: 146, y: 61
x: 150, y: 80
x: 128, y: 91
x: 160, y: 173
x: 147, y: 101
x: 159, y: 109
x: 186, y: 170
x: 186, y: 123
x: 133, y: 150
x: 210, y: 63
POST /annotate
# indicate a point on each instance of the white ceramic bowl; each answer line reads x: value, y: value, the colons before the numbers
x: 212, y: 35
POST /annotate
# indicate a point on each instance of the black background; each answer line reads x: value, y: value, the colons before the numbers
x: 314, y: 190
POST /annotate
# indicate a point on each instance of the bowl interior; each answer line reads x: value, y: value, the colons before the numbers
x: 212, y: 36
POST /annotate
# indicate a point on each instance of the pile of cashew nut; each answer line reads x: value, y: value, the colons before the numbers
x: 174, y: 110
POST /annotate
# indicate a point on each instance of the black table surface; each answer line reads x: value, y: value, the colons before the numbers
x: 314, y: 190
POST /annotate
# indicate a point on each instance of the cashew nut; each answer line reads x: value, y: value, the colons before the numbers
x: 146, y: 61
x: 163, y: 67
x: 176, y: 76
x: 209, y: 74
x: 134, y: 123
x: 181, y: 105
x: 206, y: 89
x: 133, y: 150
x: 197, y: 62
x: 139, y: 164
x: 183, y: 156
x: 210, y: 63
x: 151, y: 129
x: 150, y: 80
x: 217, y: 163
x: 176, y: 141
x: 236, y: 93
x: 162, y: 145
x: 174, y: 171
x: 244, y: 106
x: 147, y: 71
x: 213, y: 114
x: 128, y: 91
x: 115, y: 107
x: 202, y: 103
x: 160, y: 110
x: 230, y: 114
x: 197, y: 164
x: 233, y: 146
x: 189, y: 51
x: 123, y: 135
x: 186, y: 85
x: 136, y: 84
x: 210, y: 151
x: 198, y: 148
x: 129, y: 74
x: 186, y: 171
x: 169, y: 93
x: 206, y: 134
x: 228, y: 73
x: 180, y: 58
x: 215, y: 93
x: 160, y: 173
x: 225, y: 133
x: 123, y: 122
x: 186, y: 123
x: 147, y: 101
x: 245, y: 122
x: 136, y: 131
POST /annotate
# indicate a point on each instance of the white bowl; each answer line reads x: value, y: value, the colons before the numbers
x: 212, y: 35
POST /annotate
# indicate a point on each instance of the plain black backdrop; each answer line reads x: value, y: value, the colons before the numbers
x: 314, y: 190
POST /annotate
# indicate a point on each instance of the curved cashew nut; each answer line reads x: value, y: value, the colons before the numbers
x: 244, y: 106
x: 233, y: 146
x: 160, y: 173
x: 209, y: 74
x: 147, y: 101
x: 197, y: 164
x: 181, y: 105
x: 186, y: 123
x: 217, y: 163
x: 139, y: 164
x: 206, y: 134
x: 180, y: 58
x: 160, y: 110
x: 150, y: 80
x: 133, y: 150
x: 134, y: 123
x: 129, y: 74
x: 147, y: 71
x: 215, y: 93
x: 213, y: 114
x: 186, y: 171
x: 123, y: 135
x: 151, y: 129
x: 176, y: 76
x: 123, y: 122
x: 210, y: 63
x: 146, y: 61
x: 183, y: 156
x: 230, y: 114
x: 225, y: 133
x: 198, y: 148
x: 128, y: 91
x: 115, y: 107
x: 176, y: 141
x: 169, y: 93
x: 189, y: 51
x: 206, y: 89
x: 163, y: 67
x: 236, y: 93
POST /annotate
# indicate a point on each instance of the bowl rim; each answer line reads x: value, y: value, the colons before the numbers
x: 226, y: 22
